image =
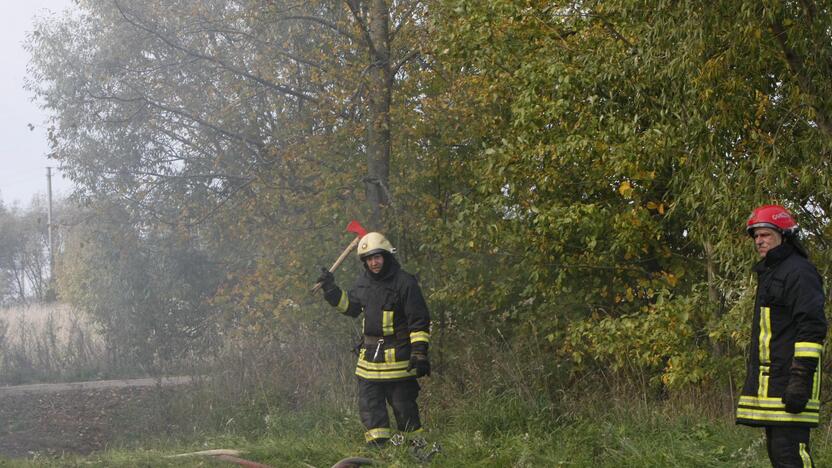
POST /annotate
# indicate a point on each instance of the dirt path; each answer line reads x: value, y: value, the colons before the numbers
x: 81, y: 417
x: 93, y: 385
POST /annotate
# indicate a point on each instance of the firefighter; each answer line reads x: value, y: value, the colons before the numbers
x: 394, y: 352
x: 782, y: 387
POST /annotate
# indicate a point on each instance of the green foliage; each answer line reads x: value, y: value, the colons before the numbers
x: 147, y: 288
x: 626, y: 142
x: 573, y: 174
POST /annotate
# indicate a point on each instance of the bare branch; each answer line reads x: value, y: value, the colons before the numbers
x: 410, y: 56
x: 323, y: 22
x: 365, y: 30
x: 796, y: 66
x: 404, y: 17
x: 274, y: 86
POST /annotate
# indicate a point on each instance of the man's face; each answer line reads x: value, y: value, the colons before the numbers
x: 766, y: 239
x: 375, y: 262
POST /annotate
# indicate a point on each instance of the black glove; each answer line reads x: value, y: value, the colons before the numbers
x: 419, y: 362
x: 327, y: 280
x: 799, y: 387
x: 332, y: 293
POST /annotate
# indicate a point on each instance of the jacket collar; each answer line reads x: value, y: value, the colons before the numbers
x: 389, y: 270
x: 774, y: 257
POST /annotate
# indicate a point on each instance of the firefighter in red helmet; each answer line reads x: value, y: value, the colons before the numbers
x: 782, y: 387
x: 394, y: 352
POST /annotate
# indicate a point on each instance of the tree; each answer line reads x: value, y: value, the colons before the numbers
x: 24, y: 251
x: 148, y: 287
x: 163, y: 94
x: 244, y: 123
x: 628, y: 142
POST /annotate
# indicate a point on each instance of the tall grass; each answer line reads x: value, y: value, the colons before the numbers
x: 289, y: 399
x: 492, y: 431
x: 47, y: 343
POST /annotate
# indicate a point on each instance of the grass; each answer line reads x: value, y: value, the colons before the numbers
x: 48, y: 343
x: 488, y: 431
x: 506, y: 413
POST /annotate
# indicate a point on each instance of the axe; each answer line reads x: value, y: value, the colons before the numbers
x: 359, y: 232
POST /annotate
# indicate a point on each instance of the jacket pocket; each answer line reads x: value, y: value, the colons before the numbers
x: 775, y: 292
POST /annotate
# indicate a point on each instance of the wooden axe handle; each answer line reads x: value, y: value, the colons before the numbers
x: 340, y: 260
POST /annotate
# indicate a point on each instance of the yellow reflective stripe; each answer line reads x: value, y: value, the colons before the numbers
x: 382, y: 365
x: 779, y: 416
x: 804, y: 456
x: 387, y: 322
x: 807, y: 349
x: 390, y: 355
x: 344, y: 303
x: 765, y: 335
x: 816, y: 382
x: 774, y: 402
x: 764, y: 351
x: 762, y: 381
x: 419, y: 336
x: 384, y: 375
x: 378, y: 433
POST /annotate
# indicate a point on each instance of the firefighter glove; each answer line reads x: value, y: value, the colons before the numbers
x: 419, y: 362
x: 799, y: 388
x: 327, y: 279
x: 332, y: 293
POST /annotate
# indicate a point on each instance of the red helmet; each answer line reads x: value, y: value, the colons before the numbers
x: 772, y: 216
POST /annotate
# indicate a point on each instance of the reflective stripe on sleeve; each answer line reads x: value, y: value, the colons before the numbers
x: 807, y: 349
x: 344, y: 303
x: 419, y: 336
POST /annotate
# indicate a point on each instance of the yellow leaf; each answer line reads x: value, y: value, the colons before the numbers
x: 625, y: 188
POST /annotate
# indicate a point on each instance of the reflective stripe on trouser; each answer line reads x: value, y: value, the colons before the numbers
x: 788, y: 446
x: 373, y: 398
x: 378, y: 433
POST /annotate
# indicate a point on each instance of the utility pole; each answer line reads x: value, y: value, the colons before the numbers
x: 49, y: 223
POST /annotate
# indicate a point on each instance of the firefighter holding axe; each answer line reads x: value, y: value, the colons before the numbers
x: 394, y: 352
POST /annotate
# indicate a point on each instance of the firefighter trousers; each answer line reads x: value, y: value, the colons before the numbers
x: 373, y: 397
x: 788, y: 447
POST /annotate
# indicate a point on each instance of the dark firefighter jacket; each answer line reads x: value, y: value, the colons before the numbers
x: 788, y: 324
x: 396, y: 321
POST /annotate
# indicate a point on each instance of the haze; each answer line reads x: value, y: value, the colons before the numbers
x: 23, y: 149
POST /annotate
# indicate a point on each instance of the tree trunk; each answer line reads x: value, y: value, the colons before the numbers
x: 378, y: 112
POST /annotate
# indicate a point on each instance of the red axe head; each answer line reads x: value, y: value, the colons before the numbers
x: 356, y: 228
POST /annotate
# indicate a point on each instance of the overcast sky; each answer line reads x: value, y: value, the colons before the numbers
x: 23, y: 152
